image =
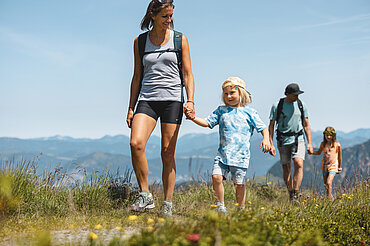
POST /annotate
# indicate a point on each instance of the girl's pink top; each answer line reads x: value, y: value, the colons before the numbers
x: 330, y: 157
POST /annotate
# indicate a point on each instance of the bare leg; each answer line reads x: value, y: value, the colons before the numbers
x: 169, y: 140
x: 142, y: 128
x: 240, y: 194
x: 298, y: 173
x: 329, y: 182
x: 218, y: 187
x: 287, y: 176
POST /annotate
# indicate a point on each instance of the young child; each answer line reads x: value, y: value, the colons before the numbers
x: 236, y: 123
x: 331, y: 160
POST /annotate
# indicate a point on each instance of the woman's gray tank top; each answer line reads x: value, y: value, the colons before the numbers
x: 161, y: 78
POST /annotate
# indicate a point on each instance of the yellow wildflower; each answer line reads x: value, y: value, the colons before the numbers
x: 268, y: 183
x: 262, y: 208
x: 150, y: 228
x: 237, y: 204
x: 119, y: 228
x: 249, y: 202
x: 132, y: 217
x: 93, y: 236
x: 161, y: 220
x: 98, y: 227
x: 150, y: 221
x: 71, y: 227
x: 214, y: 206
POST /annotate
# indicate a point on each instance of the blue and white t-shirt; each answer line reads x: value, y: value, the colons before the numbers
x: 236, y: 126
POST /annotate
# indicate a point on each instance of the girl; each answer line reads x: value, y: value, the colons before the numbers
x: 332, y: 158
x: 236, y: 123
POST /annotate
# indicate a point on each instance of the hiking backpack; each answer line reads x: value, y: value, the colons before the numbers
x: 278, y: 113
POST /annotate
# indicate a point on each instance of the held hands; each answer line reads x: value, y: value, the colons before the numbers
x: 189, y: 110
x: 265, y: 145
x: 309, y: 149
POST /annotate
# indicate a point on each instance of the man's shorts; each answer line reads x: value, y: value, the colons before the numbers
x: 238, y: 174
x: 168, y: 111
x: 325, y: 174
x: 287, y: 152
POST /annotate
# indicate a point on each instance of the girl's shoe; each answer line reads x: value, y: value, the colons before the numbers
x: 143, y: 201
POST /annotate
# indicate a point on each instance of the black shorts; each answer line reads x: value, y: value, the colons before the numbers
x: 168, y: 111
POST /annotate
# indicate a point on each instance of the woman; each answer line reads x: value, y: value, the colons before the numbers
x: 157, y: 87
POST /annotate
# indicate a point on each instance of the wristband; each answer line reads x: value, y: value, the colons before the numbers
x: 339, y: 169
x: 191, y: 102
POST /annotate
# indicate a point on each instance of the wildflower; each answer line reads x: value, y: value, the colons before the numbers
x: 268, y: 183
x: 161, y: 220
x: 214, y: 206
x: 132, y: 217
x: 314, y: 199
x: 262, y: 208
x: 150, y: 221
x: 193, y: 237
x: 98, y: 227
x: 119, y: 228
x: 363, y: 228
x: 317, y: 205
x: 150, y: 228
x: 249, y: 202
x: 237, y: 204
x: 93, y: 236
x: 282, y: 214
x: 71, y: 227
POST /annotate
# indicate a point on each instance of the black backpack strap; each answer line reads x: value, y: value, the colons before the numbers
x: 279, y: 109
x: 177, y: 41
x: 300, y: 106
x: 141, y: 44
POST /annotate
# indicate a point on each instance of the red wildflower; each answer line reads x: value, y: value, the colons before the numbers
x: 193, y: 237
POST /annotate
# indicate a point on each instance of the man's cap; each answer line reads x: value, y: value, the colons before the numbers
x: 293, y: 88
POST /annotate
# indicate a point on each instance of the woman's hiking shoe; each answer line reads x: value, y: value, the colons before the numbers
x: 142, y: 202
x: 166, y: 209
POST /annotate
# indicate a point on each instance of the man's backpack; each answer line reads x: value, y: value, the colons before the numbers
x: 280, y: 109
x: 279, y: 134
x: 177, y: 40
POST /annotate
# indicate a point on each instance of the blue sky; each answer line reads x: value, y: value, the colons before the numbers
x: 66, y: 66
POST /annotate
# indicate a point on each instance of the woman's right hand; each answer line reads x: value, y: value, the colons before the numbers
x: 130, y: 117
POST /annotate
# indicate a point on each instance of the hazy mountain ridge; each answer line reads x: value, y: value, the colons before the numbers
x: 114, y: 152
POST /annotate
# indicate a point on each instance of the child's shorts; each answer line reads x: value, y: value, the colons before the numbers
x: 325, y: 174
x: 238, y: 174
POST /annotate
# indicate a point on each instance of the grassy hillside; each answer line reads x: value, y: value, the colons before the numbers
x: 52, y: 209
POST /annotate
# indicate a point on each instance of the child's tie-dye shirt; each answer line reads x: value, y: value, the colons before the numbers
x: 236, y: 126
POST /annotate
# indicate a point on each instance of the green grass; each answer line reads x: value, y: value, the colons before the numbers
x: 31, y: 203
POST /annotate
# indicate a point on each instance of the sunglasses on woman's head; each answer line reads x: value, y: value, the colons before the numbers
x: 164, y: 1
x: 329, y: 132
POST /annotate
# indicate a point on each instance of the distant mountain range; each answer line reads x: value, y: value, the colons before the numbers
x: 355, y: 164
x: 194, y: 153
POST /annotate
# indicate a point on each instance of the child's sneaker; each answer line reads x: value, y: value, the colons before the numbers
x: 143, y: 201
x: 221, y: 208
x: 166, y: 209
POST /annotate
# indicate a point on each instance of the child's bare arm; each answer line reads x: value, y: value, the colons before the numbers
x: 200, y: 121
x: 265, y: 144
x: 318, y: 152
x: 340, y: 158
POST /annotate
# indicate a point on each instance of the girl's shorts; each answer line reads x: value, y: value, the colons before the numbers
x: 238, y: 174
x: 168, y: 111
x: 325, y: 174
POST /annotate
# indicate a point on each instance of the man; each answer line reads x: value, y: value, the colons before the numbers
x: 291, y: 117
